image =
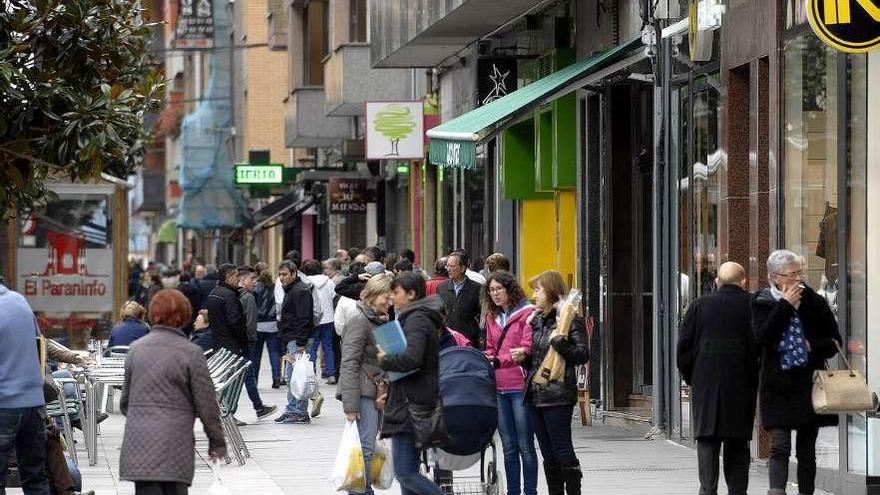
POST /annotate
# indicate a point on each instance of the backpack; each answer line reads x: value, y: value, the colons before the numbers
x: 317, y: 309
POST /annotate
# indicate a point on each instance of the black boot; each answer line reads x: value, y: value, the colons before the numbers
x: 555, y: 485
x: 572, y: 477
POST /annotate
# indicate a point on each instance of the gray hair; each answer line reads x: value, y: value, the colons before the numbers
x: 333, y: 264
x: 779, y: 259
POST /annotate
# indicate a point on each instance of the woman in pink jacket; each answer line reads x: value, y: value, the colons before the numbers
x: 508, y: 339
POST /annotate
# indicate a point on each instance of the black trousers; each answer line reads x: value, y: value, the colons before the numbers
x: 553, y: 431
x: 160, y: 488
x: 805, y: 451
x: 736, y: 464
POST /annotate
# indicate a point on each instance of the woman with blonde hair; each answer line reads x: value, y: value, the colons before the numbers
x: 551, y: 405
x: 360, y: 377
x: 131, y: 325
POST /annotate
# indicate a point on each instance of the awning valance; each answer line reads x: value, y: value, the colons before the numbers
x: 453, y: 143
x: 168, y: 232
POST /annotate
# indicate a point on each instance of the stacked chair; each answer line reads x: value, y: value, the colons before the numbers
x: 228, y: 372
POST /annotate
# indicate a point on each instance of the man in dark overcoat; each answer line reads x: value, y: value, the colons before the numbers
x: 718, y: 357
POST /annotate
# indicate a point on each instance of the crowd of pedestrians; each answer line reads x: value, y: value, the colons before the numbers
x: 734, y: 348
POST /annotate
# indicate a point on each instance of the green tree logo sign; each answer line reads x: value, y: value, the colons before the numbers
x: 395, y: 122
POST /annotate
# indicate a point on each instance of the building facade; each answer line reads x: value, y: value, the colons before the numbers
x: 649, y: 142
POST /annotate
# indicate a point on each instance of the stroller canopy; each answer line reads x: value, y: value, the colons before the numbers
x: 470, y: 406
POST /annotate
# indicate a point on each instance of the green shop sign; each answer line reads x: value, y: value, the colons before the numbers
x: 452, y: 153
x: 259, y: 174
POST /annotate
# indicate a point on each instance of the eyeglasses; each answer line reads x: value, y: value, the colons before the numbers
x: 797, y: 274
x: 496, y: 290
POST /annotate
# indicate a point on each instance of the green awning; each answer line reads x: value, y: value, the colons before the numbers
x: 453, y: 143
x: 168, y: 232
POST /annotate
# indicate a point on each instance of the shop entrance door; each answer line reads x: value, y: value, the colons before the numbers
x: 627, y: 249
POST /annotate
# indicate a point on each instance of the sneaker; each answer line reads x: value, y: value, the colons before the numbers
x: 276, y: 383
x: 296, y: 419
x: 280, y: 419
x: 330, y: 381
x: 266, y: 411
x: 239, y: 422
x: 317, y: 402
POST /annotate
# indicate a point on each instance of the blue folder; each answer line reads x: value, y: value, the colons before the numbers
x: 391, y: 339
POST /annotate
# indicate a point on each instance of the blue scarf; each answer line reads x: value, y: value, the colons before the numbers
x: 793, y: 346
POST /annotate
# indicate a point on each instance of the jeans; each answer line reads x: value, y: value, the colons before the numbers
x: 805, y: 451
x: 273, y: 345
x: 368, y: 427
x: 553, y: 429
x: 25, y: 430
x: 517, y: 440
x: 406, y: 467
x: 250, y: 380
x: 736, y: 465
x: 295, y: 405
x: 324, y: 338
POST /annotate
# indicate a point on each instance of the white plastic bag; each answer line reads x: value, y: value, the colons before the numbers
x: 349, y: 472
x: 303, y: 381
x: 217, y: 488
x: 382, y: 467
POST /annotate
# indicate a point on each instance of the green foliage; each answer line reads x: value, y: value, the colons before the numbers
x: 76, y: 79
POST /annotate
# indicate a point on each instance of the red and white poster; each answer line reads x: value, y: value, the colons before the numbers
x: 66, y: 278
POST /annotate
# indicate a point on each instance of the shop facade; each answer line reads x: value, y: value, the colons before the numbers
x: 764, y: 145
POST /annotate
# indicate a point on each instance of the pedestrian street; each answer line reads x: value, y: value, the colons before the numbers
x: 297, y: 460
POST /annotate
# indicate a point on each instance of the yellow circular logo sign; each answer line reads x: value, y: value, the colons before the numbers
x: 847, y: 25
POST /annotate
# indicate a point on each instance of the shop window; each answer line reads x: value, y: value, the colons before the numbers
x: 357, y: 27
x: 316, y: 42
x: 824, y: 174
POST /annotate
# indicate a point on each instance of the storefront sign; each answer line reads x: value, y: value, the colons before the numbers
x: 847, y: 25
x: 395, y: 130
x: 65, y: 265
x: 349, y: 196
x: 195, y: 24
x: 66, y: 277
x: 704, y: 17
x: 259, y: 174
x: 496, y: 77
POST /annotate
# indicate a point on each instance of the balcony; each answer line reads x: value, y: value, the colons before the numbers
x: 423, y: 33
x: 149, y: 192
x: 349, y: 81
x: 306, y: 124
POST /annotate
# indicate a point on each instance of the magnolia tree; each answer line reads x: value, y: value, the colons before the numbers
x: 76, y: 79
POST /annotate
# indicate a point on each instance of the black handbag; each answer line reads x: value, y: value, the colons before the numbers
x: 429, y: 427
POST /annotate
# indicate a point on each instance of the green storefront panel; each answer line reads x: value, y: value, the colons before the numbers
x: 565, y: 142
x: 518, y: 157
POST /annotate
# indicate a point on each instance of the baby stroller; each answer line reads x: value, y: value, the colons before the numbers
x: 470, y: 409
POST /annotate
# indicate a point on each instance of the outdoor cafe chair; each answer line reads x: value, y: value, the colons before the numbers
x: 63, y: 408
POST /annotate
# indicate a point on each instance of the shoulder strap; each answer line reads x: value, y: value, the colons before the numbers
x: 503, y: 336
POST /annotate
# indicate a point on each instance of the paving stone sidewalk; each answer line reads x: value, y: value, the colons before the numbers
x: 292, y: 459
